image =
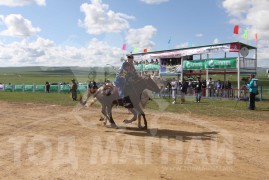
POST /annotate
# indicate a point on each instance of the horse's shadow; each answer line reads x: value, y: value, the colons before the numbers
x: 168, y: 133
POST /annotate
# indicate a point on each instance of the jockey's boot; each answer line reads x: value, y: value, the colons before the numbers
x: 120, y: 101
x: 127, y: 102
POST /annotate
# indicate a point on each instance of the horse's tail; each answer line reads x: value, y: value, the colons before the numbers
x: 91, y: 102
x: 85, y: 102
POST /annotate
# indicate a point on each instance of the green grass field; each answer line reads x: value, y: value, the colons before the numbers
x: 39, y: 75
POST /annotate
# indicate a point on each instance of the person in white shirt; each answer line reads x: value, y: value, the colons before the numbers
x: 174, y: 90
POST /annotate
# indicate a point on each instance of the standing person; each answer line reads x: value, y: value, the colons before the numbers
x: 183, y: 90
x: 229, y: 88
x: 244, y: 90
x: 210, y: 86
x: 218, y: 88
x: 168, y: 87
x: 73, y: 90
x: 198, y: 89
x: 174, y: 90
x: 253, y: 90
x: 47, y: 86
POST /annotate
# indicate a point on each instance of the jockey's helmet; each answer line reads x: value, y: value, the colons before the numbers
x: 130, y: 56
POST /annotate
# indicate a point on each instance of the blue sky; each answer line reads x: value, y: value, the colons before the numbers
x: 92, y: 32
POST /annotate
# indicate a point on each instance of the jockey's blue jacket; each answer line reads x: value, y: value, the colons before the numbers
x: 121, y: 78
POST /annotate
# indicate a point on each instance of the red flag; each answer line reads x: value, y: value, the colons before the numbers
x: 124, y: 47
x: 145, y: 50
x: 236, y: 29
x: 256, y: 37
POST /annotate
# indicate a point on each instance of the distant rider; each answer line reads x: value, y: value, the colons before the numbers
x: 125, y: 74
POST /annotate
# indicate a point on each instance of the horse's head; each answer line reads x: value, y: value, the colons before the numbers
x: 151, y: 85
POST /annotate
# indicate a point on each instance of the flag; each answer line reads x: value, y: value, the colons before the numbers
x: 145, y: 50
x: 169, y: 41
x: 124, y: 47
x: 245, y: 34
x: 256, y: 37
x: 135, y: 50
x: 236, y: 29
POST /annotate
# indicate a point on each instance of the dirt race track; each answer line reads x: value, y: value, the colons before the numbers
x: 58, y: 142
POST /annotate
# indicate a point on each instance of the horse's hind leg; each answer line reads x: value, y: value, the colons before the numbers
x: 132, y: 110
x: 139, y: 122
x: 141, y: 112
x: 145, y: 122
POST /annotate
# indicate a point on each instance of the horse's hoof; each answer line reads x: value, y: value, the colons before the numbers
x: 143, y: 128
x: 114, y: 126
x: 111, y: 126
x: 127, y: 121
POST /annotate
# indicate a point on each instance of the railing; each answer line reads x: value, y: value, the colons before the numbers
x: 60, y: 88
x: 248, y: 63
x: 231, y: 93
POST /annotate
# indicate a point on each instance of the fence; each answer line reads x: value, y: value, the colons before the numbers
x: 217, y: 93
x: 41, y: 88
x: 208, y: 93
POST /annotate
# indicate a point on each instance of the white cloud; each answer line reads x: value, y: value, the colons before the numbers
x: 236, y: 7
x: 251, y: 14
x: 44, y: 52
x: 99, y: 19
x: 17, y: 25
x: 199, y: 35
x: 154, y: 1
x: 216, y: 41
x: 22, y: 2
x: 141, y: 38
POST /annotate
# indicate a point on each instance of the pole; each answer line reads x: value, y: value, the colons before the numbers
x: 207, y: 72
x: 238, y: 76
x: 182, y: 75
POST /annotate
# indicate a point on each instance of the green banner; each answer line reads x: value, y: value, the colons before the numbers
x: 18, y: 88
x: 194, y: 65
x: 40, y: 88
x: 221, y: 63
x: 53, y: 88
x: 139, y: 67
x: 82, y: 88
x: 64, y: 88
x: 147, y: 67
x: 8, y: 87
x: 151, y: 67
x: 28, y: 88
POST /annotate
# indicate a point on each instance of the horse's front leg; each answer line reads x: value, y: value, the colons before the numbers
x: 109, y: 113
x: 105, y: 114
x: 132, y: 110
